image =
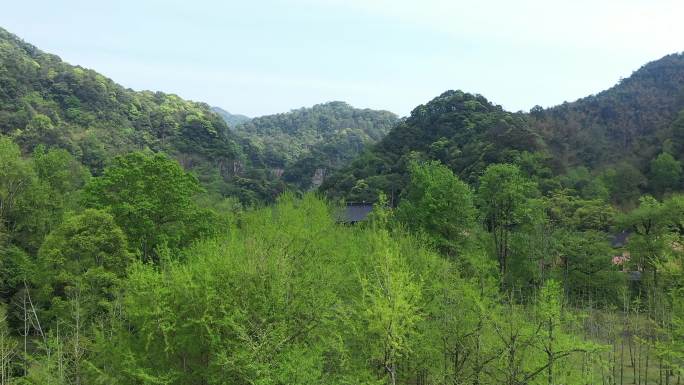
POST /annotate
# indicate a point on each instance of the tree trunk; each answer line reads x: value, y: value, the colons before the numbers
x: 622, y: 360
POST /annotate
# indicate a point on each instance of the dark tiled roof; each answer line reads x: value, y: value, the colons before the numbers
x: 634, y: 276
x: 355, y: 212
x: 620, y: 239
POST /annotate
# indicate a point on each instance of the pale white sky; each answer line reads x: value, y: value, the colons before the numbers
x: 266, y: 56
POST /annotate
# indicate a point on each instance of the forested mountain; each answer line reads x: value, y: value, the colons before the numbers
x: 628, y: 122
x: 464, y: 131
x: 231, y: 119
x: 44, y: 100
x: 622, y: 142
x: 311, y: 142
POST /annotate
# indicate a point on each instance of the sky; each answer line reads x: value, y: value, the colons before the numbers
x: 258, y: 57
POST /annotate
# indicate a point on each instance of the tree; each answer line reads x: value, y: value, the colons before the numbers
x: 82, y: 266
x: 16, y: 177
x: 502, y: 197
x: 27, y: 207
x: 557, y: 345
x: 439, y: 204
x: 649, y: 223
x: 666, y: 173
x: 151, y: 198
x: 677, y: 128
x: 255, y: 307
x: 8, y: 348
x: 671, y: 349
x: 584, y: 266
x: 59, y: 170
x: 624, y: 182
x: 390, y: 311
x: 82, y: 246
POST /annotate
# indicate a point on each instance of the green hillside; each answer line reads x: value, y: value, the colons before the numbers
x: 44, y: 100
x: 622, y: 142
x: 630, y: 121
x: 324, y: 137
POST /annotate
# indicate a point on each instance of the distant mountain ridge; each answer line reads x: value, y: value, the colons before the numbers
x: 231, y: 119
x: 308, y: 143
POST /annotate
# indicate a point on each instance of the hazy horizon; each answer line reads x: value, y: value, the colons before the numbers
x: 264, y: 57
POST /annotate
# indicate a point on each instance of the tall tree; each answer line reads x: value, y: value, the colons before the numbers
x: 502, y: 199
x: 666, y: 173
x: 85, y: 257
x: 439, y: 204
x: 649, y: 224
x: 8, y: 349
x: 16, y: 177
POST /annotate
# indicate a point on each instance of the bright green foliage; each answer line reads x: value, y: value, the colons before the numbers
x: 390, y: 307
x: 59, y: 170
x: 289, y: 297
x: 150, y: 197
x: 85, y: 241
x: 666, y: 173
x: 35, y: 193
x: 559, y: 346
x: 439, y: 204
x: 282, y: 300
x: 672, y: 348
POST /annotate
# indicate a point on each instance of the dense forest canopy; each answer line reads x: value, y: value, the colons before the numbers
x: 464, y: 131
x: 629, y: 122
x: 144, y: 242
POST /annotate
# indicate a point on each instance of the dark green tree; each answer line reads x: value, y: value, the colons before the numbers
x: 502, y: 200
x: 666, y: 173
x: 86, y: 257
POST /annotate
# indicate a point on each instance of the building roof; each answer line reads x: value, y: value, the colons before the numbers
x: 620, y: 239
x: 634, y: 276
x: 355, y: 212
